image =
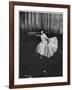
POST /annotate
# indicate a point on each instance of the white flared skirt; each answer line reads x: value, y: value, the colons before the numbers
x: 47, y: 49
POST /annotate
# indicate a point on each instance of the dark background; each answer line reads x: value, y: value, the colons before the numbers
x: 30, y: 63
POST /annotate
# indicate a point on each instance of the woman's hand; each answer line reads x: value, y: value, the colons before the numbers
x: 48, y: 41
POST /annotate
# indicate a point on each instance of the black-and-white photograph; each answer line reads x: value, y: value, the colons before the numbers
x: 40, y: 44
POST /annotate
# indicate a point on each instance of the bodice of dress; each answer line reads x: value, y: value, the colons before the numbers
x: 43, y: 37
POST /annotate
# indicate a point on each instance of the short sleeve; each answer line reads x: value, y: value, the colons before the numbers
x: 45, y: 36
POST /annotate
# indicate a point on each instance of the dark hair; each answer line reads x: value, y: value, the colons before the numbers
x: 41, y: 30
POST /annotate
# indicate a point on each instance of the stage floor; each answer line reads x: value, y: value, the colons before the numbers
x: 30, y: 63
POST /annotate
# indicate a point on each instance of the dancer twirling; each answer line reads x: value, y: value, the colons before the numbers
x: 48, y: 46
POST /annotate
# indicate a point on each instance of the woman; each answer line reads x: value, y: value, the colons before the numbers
x: 47, y: 47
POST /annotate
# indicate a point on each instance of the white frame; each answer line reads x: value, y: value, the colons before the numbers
x: 24, y: 81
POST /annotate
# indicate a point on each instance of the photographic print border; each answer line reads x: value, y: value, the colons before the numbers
x: 11, y: 43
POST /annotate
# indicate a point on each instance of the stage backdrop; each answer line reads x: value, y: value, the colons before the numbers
x: 34, y: 21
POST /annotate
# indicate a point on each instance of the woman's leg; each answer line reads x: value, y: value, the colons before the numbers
x: 44, y: 64
x: 41, y: 57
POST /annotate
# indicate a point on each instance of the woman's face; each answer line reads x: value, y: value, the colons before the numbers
x: 42, y: 32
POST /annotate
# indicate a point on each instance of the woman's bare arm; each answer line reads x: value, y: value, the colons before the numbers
x: 46, y: 36
x: 37, y: 35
